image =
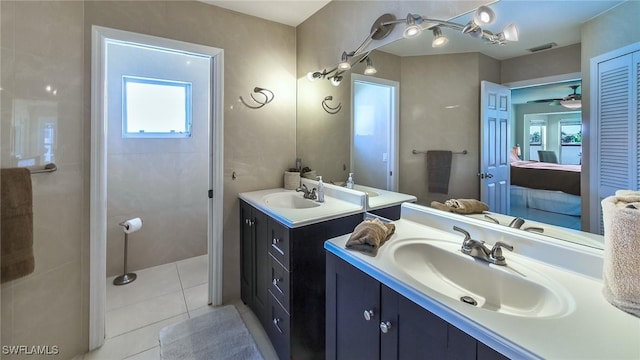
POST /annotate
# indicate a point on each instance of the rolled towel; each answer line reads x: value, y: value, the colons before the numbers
x: 369, y: 235
x: 462, y: 206
x: 621, y: 265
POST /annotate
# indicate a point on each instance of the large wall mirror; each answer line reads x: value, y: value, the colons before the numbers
x: 439, y: 106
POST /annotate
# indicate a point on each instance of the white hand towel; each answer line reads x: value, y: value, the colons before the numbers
x: 621, y: 268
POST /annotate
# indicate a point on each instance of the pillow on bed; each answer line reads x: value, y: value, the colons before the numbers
x: 513, y: 157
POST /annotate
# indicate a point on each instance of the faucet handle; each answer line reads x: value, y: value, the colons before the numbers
x: 496, y: 250
x: 467, y: 236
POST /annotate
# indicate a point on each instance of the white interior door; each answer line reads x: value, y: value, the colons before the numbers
x: 495, y: 106
x: 374, y: 132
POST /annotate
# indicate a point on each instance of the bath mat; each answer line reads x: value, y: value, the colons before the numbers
x: 219, y: 334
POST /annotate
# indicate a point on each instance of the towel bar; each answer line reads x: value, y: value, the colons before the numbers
x: 51, y: 167
x: 463, y: 152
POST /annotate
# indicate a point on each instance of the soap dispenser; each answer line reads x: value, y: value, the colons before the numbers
x: 350, y: 181
x: 320, y: 189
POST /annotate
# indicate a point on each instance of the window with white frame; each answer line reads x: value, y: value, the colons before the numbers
x: 570, y: 141
x: 155, y: 108
x: 537, y: 138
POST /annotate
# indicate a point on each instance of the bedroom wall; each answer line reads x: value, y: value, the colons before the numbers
x: 521, y: 128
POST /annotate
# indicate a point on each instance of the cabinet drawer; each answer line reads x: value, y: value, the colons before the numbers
x: 279, y: 283
x: 279, y: 238
x: 278, y: 329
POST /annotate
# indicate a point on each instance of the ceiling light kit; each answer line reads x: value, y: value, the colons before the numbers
x: 414, y: 25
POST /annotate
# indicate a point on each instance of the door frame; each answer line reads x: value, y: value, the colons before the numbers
x: 394, y: 180
x: 98, y: 170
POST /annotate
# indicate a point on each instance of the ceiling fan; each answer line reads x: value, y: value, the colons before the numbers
x: 571, y: 101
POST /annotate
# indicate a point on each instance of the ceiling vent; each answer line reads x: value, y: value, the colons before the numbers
x: 543, y: 47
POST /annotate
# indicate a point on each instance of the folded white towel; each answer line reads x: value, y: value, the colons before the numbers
x: 621, y: 267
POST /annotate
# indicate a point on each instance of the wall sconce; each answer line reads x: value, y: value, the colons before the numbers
x: 385, y: 24
x: 268, y: 97
x: 329, y: 109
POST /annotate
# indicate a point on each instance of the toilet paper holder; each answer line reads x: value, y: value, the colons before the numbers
x: 126, y: 277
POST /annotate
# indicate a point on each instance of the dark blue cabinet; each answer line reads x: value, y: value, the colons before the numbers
x: 368, y: 320
x: 282, y: 276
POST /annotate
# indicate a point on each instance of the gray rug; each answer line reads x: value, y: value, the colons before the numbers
x: 219, y: 334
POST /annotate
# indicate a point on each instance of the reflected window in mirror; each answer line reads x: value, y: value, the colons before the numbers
x: 537, y: 138
x: 570, y: 142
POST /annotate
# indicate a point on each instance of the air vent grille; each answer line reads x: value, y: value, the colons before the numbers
x: 542, y: 47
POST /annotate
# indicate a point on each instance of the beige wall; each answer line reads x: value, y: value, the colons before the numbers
x: 42, y: 44
x: 437, y: 113
x: 558, y: 61
x: 612, y: 30
x: 49, y: 42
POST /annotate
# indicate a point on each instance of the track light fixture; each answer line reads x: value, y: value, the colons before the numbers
x: 384, y: 25
x: 369, y: 69
x: 439, y: 40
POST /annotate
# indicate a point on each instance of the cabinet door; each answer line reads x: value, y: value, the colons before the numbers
x: 246, y: 253
x: 415, y: 333
x: 351, y: 293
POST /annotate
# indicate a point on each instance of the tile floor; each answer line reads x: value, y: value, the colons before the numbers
x: 161, y: 296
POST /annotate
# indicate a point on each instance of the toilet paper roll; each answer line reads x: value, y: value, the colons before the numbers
x: 132, y: 225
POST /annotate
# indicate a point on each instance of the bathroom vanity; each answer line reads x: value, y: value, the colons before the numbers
x: 421, y: 296
x: 283, y: 263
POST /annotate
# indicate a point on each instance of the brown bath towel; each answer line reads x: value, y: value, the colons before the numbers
x: 461, y: 206
x: 16, y: 224
x: 439, y: 171
x: 369, y: 235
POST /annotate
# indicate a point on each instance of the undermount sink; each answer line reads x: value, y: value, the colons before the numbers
x: 289, y: 200
x: 513, y: 289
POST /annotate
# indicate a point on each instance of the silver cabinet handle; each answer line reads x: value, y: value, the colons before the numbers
x: 385, y: 326
x: 275, y: 241
x: 276, y: 322
x: 249, y: 222
x: 275, y: 281
x: 368, y: 314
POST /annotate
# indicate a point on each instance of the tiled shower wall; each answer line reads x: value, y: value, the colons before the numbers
x: 48, y: 43
x: 42, y: 45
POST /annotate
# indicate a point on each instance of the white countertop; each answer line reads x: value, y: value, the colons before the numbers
x: 376, y: 198
x: 589, y: 328
x: 335, y: 205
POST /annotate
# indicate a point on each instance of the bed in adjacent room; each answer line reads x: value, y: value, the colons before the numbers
x: 546, y: 192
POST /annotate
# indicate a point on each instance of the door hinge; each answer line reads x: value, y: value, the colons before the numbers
x: 210, y: 193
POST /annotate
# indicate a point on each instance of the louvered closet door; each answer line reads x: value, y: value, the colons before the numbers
x: 618, y: 127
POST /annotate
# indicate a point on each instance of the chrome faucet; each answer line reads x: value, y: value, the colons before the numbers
x: 477, y: 249
x: 306, y: 193
x: 516, y: 223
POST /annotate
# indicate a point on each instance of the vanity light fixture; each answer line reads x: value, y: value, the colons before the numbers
x: 414, y: 23
x: 344, y: 64
x: 413, y: 28
x: 336, y: 80
x: 369, y: 69
x: 439, y: 40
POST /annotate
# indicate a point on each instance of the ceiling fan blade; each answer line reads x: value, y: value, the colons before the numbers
x: 542, y: 101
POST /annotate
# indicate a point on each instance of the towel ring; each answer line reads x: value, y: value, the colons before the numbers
x: 329, y: 109
x: 268, y: 97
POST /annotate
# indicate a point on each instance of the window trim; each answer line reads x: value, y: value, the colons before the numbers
x: 157, y: 135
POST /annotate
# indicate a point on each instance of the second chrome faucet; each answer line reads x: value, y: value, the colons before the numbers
x: 477, y: 249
